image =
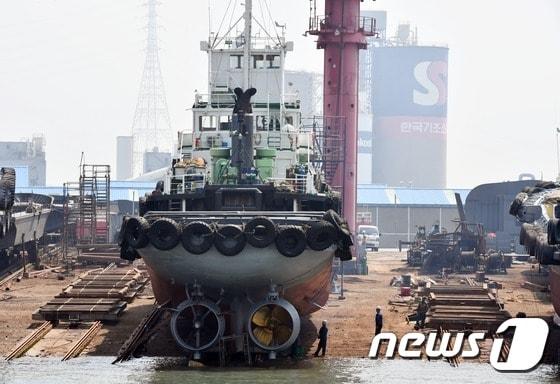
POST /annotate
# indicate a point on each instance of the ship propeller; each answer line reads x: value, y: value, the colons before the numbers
x: 196, y: 325
x: 272, y: 325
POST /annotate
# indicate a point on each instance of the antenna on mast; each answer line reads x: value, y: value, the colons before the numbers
x: 248, y: 15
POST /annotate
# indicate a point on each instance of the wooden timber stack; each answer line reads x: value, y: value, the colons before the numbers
x: 99, y: 295
x: 460, y: 307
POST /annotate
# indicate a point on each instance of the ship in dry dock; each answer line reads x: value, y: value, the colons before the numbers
x: 240, y: 234
x: 538, y: 210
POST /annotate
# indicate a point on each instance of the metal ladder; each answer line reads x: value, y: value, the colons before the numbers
x: 246, y: 348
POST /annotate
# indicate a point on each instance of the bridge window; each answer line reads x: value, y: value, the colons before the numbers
x: 235, y: 62
x: 261, y: 123
x: 207, y: 123
x: 225, y: 123
x: 267, y: 123
x: 274, y: 123
x: 259, y: 62
x: 273, y: 61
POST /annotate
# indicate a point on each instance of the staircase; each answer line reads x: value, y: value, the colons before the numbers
x: 329, y: 141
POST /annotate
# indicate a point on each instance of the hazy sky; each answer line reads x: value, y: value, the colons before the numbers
x: 70, y: 69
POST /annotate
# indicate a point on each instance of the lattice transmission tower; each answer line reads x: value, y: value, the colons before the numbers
x: 151, y: 129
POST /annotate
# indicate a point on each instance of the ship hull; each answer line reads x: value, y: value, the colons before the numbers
x: 30, y: 226
x: 27, y: 227
x: 554, y: 281
x: 303, y: 280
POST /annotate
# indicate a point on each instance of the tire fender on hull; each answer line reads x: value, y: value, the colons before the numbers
x: 321, y: 235
x: 291, y: 241
x: 260, y: 232
x: 229, y: 240
x: 197, y: 237
x: 136, y: 232
x: 164, y: 234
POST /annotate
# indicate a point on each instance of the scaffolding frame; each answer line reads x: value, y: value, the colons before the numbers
x: 94, y: 204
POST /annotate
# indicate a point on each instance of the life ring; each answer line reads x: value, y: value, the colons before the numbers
x: 320, y: 235
x: 229, y: 240
x: 135, y: 232
x: 260, y: 232
x: 164, y: 234
x: 291, y: 241
x: 197, y: 237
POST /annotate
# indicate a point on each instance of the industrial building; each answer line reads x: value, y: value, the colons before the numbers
x: 28, y: 159
x: 398, y: 212
x: 404, y: 92
x: 489, y: 205
x: 124, y: 157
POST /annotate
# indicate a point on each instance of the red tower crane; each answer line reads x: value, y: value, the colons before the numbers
x: 342, y: 33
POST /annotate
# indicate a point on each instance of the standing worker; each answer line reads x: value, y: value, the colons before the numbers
x: 421, y: 312
x: 378, y: 320
x: 322, y: 336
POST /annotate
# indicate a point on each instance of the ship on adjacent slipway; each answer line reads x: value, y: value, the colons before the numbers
x: 240, y: 235
x: 23, y: 221
x: 538, y: 210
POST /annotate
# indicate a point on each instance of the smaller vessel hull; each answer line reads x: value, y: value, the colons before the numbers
x: 30, y: 226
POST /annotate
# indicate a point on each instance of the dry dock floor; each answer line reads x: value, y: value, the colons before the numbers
x: 351, y: 321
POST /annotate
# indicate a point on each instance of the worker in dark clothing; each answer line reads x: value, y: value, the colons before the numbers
x: 322, y: 336
x: 378, y: 320
x: 421, y: 312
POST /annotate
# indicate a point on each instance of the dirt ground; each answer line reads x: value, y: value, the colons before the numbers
x: 350, y: 321
x: 22, y: 298
x: 18, y: 300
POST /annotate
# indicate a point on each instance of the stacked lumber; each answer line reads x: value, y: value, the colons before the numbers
x: 98, y: 295
x: 460, y: 307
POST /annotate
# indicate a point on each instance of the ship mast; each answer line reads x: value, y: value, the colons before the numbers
x: 247, y: 46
